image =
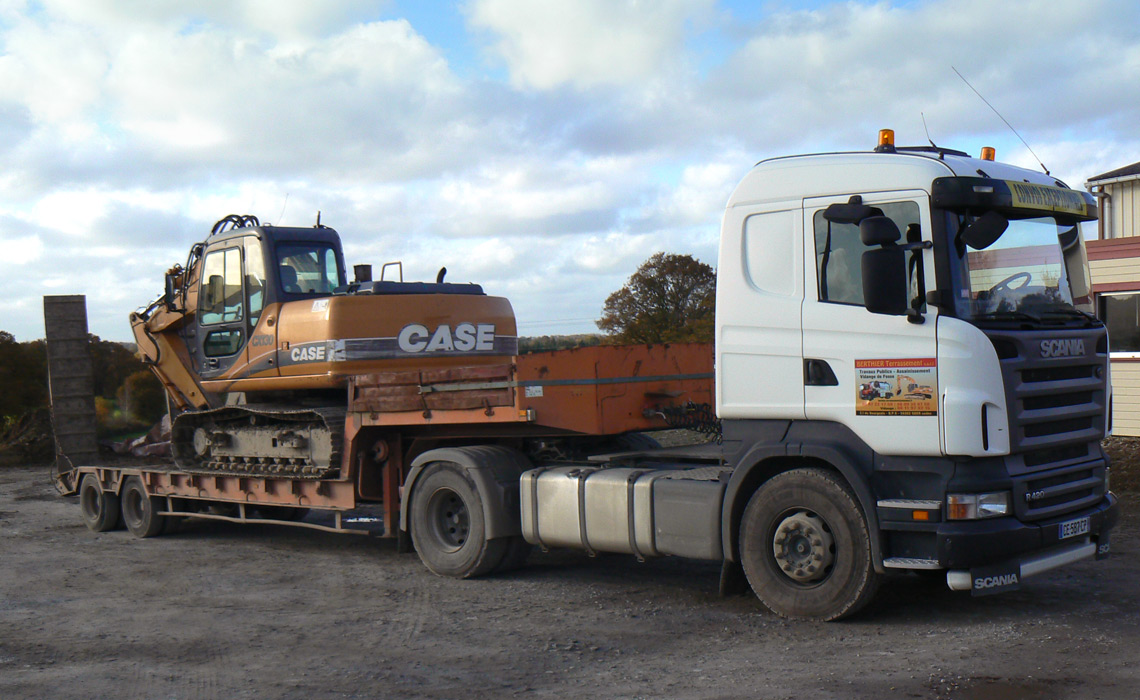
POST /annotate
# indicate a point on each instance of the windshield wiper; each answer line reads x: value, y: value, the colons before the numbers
x: 1007, y: 316
x: 1073, y: 313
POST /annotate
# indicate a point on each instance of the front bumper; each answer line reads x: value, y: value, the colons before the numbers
x: 981, y: 543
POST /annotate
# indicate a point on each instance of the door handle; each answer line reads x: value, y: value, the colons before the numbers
x: 212, y: 364
x: 819, y: 373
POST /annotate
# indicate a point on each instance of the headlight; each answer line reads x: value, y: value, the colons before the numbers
x: 975, y: 506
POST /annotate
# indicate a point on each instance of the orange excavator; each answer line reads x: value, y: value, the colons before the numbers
x: 265, y: 349
x: 907, y: 388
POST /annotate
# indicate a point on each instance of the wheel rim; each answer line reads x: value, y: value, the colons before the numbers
x: 803, y: 548
x: 449, y: 520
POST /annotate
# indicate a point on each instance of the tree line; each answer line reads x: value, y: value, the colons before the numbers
x: 126, y: 393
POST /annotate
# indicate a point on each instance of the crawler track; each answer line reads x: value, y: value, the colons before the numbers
x: 260, y: 440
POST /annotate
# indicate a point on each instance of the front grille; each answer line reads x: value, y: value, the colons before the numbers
x: 1055, y: 455
x: 1057, y: 374
x: 1036, y: 403
x: 1058, y: 491
x: 1055, y: 405
x: 1056, y: 427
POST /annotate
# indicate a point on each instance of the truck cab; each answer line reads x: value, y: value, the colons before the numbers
x: 961, y: 280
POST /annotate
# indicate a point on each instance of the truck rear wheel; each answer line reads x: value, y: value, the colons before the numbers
x: 806, y: 548
x: 98, y: 508
x: 448, y: 527
x: 140, y: 511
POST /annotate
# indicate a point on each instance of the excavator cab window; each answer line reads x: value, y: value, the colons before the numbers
x: 254, y: 280
x: 308, y: 268
x: 221, y: 299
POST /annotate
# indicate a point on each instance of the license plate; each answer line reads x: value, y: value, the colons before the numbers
x: 1073, y: 528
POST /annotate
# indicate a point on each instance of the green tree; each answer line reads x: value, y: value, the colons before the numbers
x: 23, y: 375
x: 111, y: 364
x: 670, y: 299
x: 143, y: 397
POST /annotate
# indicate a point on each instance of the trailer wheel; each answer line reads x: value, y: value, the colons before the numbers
x: 98, y: 508
x: 140, y: 511
x: 448, y: 528
x: 806, y: 548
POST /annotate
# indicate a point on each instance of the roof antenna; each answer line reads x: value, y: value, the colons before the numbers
x: 282, y: 216
x: 967, y: 82
x: 928, y: 132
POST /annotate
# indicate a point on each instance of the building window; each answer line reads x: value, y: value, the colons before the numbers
x: 1121, y: 313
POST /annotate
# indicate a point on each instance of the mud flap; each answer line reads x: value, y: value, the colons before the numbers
x: 1000, y: 578
x: 1103, y: 547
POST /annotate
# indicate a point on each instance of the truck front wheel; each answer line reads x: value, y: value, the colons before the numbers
x: 806, y: 548
x: 448, y: 526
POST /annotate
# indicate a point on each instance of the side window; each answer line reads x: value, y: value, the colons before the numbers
x: 768, y: 249
x: 221, y: 296
x: 839, y: 253
x: 308, y: 268
x: 254, y: 279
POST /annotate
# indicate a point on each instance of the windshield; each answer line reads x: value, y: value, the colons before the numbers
x: 1036, y: 271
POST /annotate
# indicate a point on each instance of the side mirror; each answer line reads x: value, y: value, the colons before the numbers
x: 984, y: 231
x: 214, y: 294
x: 168, y: 294
x: 884, y: 280
x: 852, y: 212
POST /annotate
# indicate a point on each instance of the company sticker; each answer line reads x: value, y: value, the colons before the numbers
x: 1032, y: 196
x: 320, y: 305
x: 896, y: 387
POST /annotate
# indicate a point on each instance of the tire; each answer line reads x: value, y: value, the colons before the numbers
x: 448, y: 528
x: 518, y: 549
x: 98, y: 508
x: 806, y: 548
x: 141, y: 513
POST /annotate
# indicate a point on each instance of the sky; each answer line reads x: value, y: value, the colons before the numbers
x: 542, y: 149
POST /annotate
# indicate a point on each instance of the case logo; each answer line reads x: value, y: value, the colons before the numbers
x: 467, y: 337
x: 311, y: 353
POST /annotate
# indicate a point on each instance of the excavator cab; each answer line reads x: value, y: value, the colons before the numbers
x: 246, y: 272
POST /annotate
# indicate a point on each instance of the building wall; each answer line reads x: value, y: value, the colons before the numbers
x: 1126, y: 397
x: 1123, y: 209
x: 1115, y: 264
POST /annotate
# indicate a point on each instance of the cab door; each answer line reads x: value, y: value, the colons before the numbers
x: 261, y: 311
x: 865, y: 363
x: 221, y: 312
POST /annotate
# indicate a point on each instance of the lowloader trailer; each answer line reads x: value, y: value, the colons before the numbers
x: 962, y: 276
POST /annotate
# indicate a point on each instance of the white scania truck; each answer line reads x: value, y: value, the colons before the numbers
x: 907, y: 377
x: 962, y: 281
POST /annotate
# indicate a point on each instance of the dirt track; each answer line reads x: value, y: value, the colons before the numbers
x: 230, y: 611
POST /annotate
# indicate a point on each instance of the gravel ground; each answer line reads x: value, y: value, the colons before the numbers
x: 230, y: 611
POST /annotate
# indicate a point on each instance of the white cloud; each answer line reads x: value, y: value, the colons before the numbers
x: 127, y: 127
x: 548, y: 43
